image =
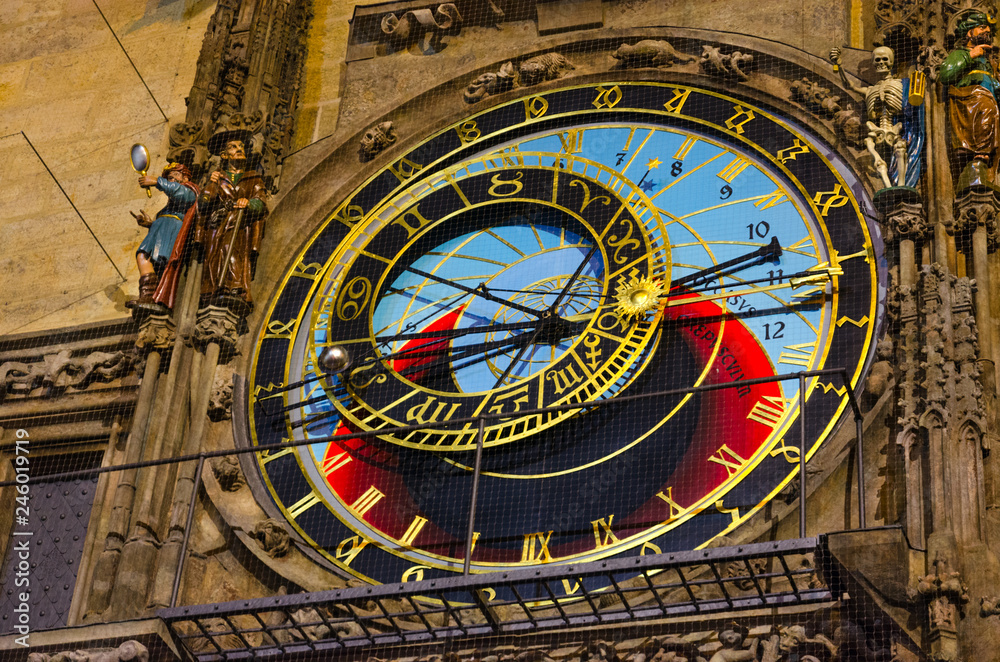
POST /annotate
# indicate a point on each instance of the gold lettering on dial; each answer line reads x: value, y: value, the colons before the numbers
x: 415, y: 573
x: 423, y: 413
x: 468, y: 132
x: 740, y: 119
x: 335, y: 462
x: 303, y: 504
x: 572, y: 141
x: 349, y: 548
x: 563, y: 379
x: 353, y: 298
x: 535, y: 107
x: 570, y: 590
x: 732, y: 171
x: 768, y: 411
x: 349, y: 215
x: 772, y: 200
x: 676, y: 102
x: 790, y: 453
x: 366, y: 501
x: 517, y: 397
x: 789, y: 153
x: 827, y: 200
x: 801, y: 354
x: 728, y: 458
x: 607, y: 98
x: 675, y: 508
x: 586, y: 195
x: 410, y: 228
x: 536, y: 547
x: 413, y: 531
x: 593, y: 353
x: 405, y: 168
x: 650, y: 547
x: 603, y: 535
x: 498, y: 184
x: 685, y: 147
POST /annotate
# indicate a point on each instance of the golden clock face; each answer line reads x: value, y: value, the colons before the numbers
x: 565, y: 267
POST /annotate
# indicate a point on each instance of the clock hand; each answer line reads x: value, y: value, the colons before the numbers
x: 481, y: 292
x: 818, y: 277
x: 770, y: 252
x: 576, y: 274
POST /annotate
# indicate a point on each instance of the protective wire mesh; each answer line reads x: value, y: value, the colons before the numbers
x: 547, y: 380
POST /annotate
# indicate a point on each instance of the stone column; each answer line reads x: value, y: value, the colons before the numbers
x: 217, y: 332
x: 156, y: 336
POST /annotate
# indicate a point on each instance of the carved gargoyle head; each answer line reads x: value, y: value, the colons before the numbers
x: 376, y: 139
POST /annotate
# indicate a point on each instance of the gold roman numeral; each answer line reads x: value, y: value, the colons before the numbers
x: 335, y: 462
x: 603, y: 535
x: 772, y: 200
x: 303, y: 504
x: 366, y: 501
x: 768, y: 411
x: 740, y: 119
x: 536, y: 547
x: 801, y: 354
x: 728, y: 458
x: 676, y: 102
x: 675, y: 508
x: 572, y: 141
x: 413, y: 531
x: 789, y: 153
x: 685, y: 147
x: 349, y: 548
x: 735, y: 167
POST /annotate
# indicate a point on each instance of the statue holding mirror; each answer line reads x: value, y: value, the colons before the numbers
x: 156, y: 249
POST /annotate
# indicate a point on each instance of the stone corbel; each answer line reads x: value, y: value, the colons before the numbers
x: 416, y: 24
x: 217, y: 325
x: 978, y: 209
x: 156, y: 333
x: 906, y: 221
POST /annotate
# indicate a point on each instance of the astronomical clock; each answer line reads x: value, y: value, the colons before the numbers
x: 600, y: 283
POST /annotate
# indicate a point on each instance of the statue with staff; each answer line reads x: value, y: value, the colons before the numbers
x: 232, y: 212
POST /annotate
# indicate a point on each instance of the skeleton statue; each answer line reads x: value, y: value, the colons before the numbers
x: 890, y: 135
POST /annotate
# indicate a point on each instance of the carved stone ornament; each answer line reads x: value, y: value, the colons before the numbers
x: 978, y: 208
x: 375, y: 140
x: 989, y: 607
x: 227, y: 471
x: 272, y: 537
x: 130, y: 651
x: 57, y: 372
x: 220, y: 401
x: 188, y: 143
x: 945, y: 597
x: 156, y: 332
x: 534, y: 70
x: 725, y: 65
x: 649, y: 53
x: 824, y: 104
x: 217, y: 325
x: 420, y: 23
x: 906, y: 221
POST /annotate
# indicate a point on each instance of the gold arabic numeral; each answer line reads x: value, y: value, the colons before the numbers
x: 536, y: 547
x: 772, y: 200
x: 468, y: 132
x: 593, y: 353
x: 728, y: 458
x: 303, y: 504
x: 412, y: 228
x: 648, y: 546
x: 353, y: 298
x: 271, y: 386
x: 414, y: 574
x: 405, y: 168
x: 535, y: 107
x: 498, y: 184
x: 803, y: 246
x: 422, y: 413
x: 790, y: 453
x: 675, y: 508
x: 280, y: 330
x: 676, y: 102
x: 827, y: 200
x: 768, y: 411
x: 475, y: 539
x: 740, y: 119
x: 413, y: 531
x: 308, y: 271
x: 349, y: 214
x: 366, y: 501
x: 564, y: 379
x: 624, y: 243
x: 789, y: 153
x: 349, y: 548
x: 607, y: 98
x: 732, y: 512
x: 603, y: 535
x: 801, y: 354
x: 570, y: 589
x: 572, y: 141
x: 516, y: 397
x: 335, y: 462
x: 356, y: 374
x: 605, y: 200
x: 838, y: 258
x: 732, y: 171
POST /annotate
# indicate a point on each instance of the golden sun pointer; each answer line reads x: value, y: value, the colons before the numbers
x: 637, y: 297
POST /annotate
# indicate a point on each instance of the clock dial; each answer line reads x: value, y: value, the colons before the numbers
x: 610, y: 246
